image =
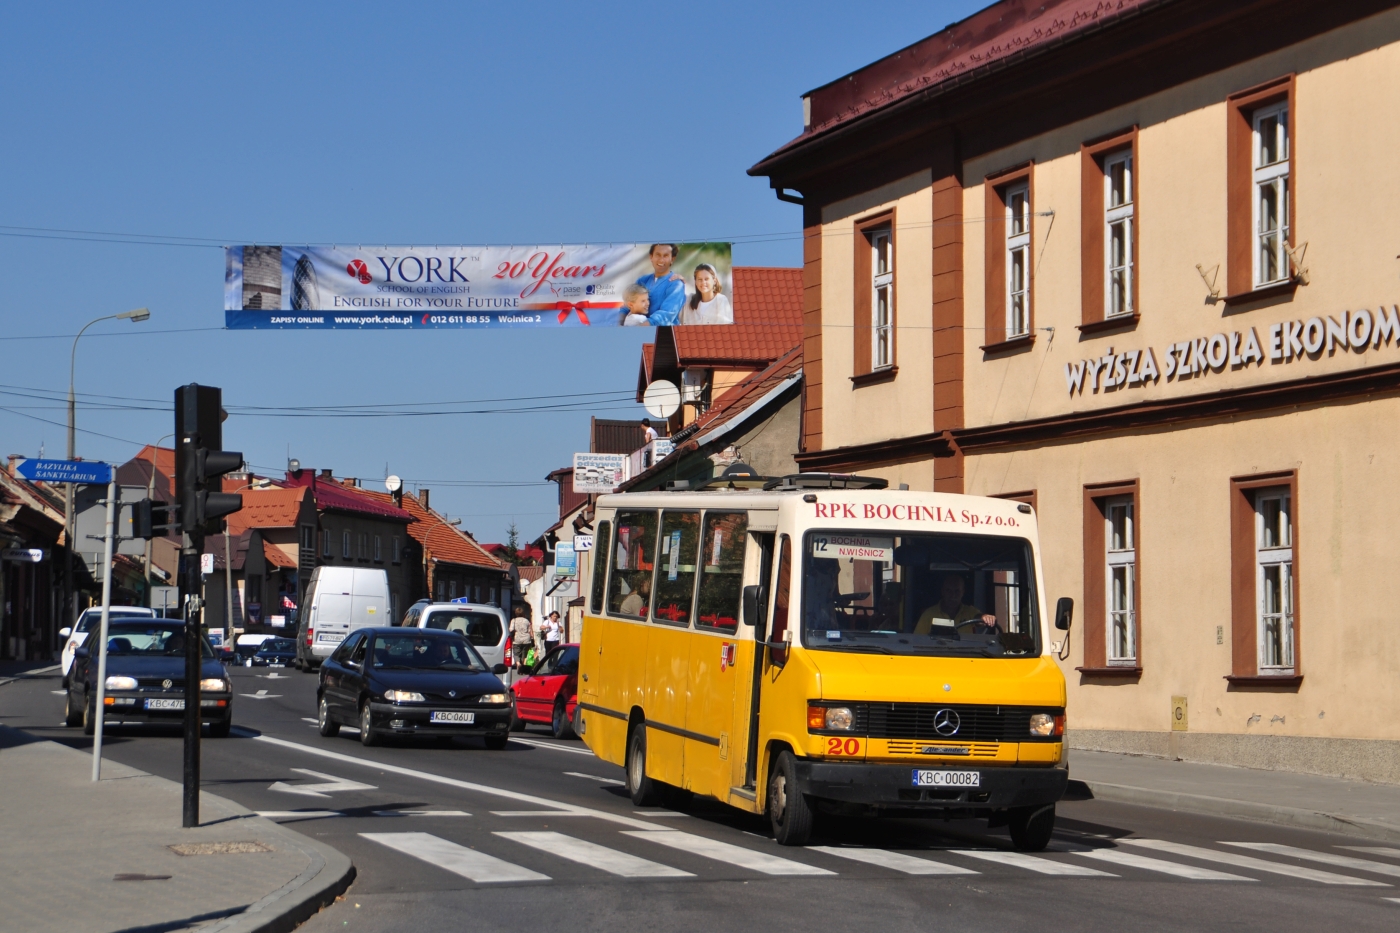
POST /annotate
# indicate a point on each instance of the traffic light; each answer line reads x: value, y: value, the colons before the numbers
x: 151, y: 519
x: 198, y: 461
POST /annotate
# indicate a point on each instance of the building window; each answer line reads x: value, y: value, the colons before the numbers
x: 451, y: 589
x: 378, y: 552
x: 1018, y: 260
x: 362, y: 545
x: 1120, y: 574
x: 345, y: 544
x: 394, y: 617
x: 441, y: 590
x: 1118, y: 233
x: 1273, y: 558
x: 874, y: 297
x: 1271, y: 170
x: 396, y: 548
x: 308, y: 538
x: 326, y: 544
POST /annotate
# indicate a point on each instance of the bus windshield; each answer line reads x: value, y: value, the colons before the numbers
x: 945, y: 595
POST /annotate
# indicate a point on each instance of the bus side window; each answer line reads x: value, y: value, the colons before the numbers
x: 602, y: 550
x: 633, y: 559
x: 782, y: 599
x: 721, y: 596
x: 675, y: 575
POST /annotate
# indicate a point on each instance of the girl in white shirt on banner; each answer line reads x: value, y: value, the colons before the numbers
x: 708, y: 305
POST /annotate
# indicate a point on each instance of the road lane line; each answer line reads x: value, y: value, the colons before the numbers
x: 548, y: 813
x: 297, y: 814
x: 594, y: 777
x: 1374, y: 850
x: 662, y: 813
x: 1189, y: 872
x: 387, y: 768
x: 595, y: 856
x: 420, y: 813
x: 729, y: 854
x: 897, y: 861
x: 1034, y: 863
x: 1327, y: 858
x: 469, y: 863
x: 558, y: 748
x: 1247, y: 861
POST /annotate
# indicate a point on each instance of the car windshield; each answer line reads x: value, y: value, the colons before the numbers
x: 940, y: 594
x: 91, y: 620
x: 278, y: 644
x: 152, y: 639
x: 426, y: 652
x: 480, y: 628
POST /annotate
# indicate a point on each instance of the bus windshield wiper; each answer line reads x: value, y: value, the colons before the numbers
x: 878, y: 649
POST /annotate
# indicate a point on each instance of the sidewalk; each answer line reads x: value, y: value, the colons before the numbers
x: 1304, y: 800
x: 99, y: 857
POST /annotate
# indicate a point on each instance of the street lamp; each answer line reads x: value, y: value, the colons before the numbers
x: 136, y: 316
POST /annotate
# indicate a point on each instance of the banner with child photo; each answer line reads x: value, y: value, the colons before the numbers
x: 417, y: 287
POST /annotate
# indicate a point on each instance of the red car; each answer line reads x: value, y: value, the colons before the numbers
x: 548, y: 694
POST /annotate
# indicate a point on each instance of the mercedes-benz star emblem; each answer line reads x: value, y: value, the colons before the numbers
x: 167, y: 684
x: 946, y: 722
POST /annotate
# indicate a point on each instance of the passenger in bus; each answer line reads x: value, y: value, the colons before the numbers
x: 635, y: 603
x: 889, y: 617
x: 950, y: 613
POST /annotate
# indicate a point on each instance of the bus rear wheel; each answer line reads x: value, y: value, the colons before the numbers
x: 1031, y: 827
x: 644, y: 791
x: 788, y: 809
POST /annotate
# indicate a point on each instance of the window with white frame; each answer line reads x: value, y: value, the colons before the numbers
x: 326, y: 543
x: 881, y: 299
x: 1118, y: 235
x: 1270, y: 165
x: 345, y: 544
x: 308, y: 538
x: 1273, y: 535
x: 396, y: 549
x: 1018, y: 260
x: 1120, y: 574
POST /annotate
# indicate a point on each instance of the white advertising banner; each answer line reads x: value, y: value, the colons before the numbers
x: 599, y: 472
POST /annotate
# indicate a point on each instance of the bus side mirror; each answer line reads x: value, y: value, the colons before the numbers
x: 753, y: 609
x: 1064, y: 613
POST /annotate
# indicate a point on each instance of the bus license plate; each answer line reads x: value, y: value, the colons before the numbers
x: 923, y: 778
x: 165, y: 704
x: 452, y: 716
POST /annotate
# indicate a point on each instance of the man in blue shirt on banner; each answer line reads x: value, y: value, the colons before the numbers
x: 666, y: 290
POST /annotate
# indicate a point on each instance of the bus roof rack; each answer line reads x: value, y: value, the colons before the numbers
x: 826, y: 481
x: 735, y: 476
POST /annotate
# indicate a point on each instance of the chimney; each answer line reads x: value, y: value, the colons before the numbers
x: 423, y: 497
x: 12, y: 458
x: 398, y: 497
x: 352, y: 481
x: 326, y: 474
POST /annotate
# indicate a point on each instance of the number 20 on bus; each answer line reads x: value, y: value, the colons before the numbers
x: 847, y: 747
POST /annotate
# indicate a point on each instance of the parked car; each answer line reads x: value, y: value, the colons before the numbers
x: 548, y: 694
x: 484, y: 626
x: 392, y: 681
x: 275, y: 652
x: 89, y: 620
x: 146, y: 679
x: 341, y: 600
x: 245, y: 647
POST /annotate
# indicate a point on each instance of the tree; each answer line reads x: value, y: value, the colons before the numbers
x: 512, y: 548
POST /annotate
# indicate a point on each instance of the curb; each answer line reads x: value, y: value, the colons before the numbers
x: 1244, y: 810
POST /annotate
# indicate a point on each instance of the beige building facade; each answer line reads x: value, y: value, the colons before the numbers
x: 1135, y: 265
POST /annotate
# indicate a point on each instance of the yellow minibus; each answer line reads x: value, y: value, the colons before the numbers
x: 822, y: 644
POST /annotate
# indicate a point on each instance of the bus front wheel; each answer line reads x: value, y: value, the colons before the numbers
x: 1031, y: 827
x: 644, y: 791
x: 788, y: 809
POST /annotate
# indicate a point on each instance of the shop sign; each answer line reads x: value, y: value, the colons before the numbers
x: 1282, y: 343
x: 19, y: 555
x: 599, y: 472
x: 565, y: 560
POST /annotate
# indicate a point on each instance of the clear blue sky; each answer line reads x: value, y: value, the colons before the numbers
x: 422, y: 123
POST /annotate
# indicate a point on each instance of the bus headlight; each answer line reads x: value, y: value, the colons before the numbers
x: 839, y: 718
x: 1047, y: 724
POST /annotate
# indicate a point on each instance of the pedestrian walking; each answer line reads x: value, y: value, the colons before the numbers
x: 553, y: 632
x: 522, y: 636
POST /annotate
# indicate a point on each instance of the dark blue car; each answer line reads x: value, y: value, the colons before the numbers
x: 275, y: 652
x: 397, y: 681
x: 146, y: 678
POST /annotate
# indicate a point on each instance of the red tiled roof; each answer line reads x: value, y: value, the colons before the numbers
x: 273, y: 507
x: 334, y: 496
x: 162, y: 457
x: 442, y: 541
x: 767, y: 322
x: 277, y: 557
x: 953, y: 56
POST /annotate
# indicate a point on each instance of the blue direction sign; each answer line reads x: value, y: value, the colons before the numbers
x: 92, y: 473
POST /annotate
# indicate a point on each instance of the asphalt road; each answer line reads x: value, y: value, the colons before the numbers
x: 540, y: 837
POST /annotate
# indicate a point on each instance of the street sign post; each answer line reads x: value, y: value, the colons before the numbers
x: 82, y: 472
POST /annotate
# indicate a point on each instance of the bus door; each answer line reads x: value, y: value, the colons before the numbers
x: 669, y: 644
x: 715, y: 669
x: 748, y: 684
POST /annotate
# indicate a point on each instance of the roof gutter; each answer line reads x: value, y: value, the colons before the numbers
x: 788, y: 381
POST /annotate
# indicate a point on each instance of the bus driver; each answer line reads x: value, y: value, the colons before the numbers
x: 951, y: 612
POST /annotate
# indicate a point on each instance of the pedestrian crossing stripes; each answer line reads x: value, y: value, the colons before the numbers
x: 1374, y: 850
x: 729, y: 854
x: 1257, y: 864
x: 1176, y: 869
x: 1034, y: 863
x: 1326, y: 858
x: 897, y: 861
x: 469, y: 863
x: 600, y: 857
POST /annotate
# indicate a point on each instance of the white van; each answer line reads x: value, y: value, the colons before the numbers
x: 340, y: 600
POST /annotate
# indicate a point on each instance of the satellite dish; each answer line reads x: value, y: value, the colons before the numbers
x: 393, y: 483
x: 662, y: 399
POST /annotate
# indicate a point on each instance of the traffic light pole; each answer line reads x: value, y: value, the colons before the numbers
x: 191, y: 600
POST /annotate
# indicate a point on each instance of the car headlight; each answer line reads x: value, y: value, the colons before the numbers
x: 1047, y: 724
x: 836, y: 718
x: 121, y: 683
x: 494, y: 699
x: 403, y: 696
x: 214, y: 684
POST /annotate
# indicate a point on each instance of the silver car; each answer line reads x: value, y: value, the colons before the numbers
x: 484, y: 626
x: 89, y: 620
